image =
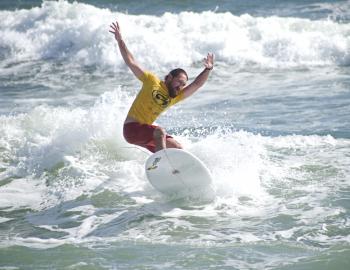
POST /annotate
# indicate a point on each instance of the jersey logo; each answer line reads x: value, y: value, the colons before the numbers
x: 160, y: 98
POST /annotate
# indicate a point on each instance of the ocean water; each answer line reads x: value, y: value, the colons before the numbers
x: 272, y: 124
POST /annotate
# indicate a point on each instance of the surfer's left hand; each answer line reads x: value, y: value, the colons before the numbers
x: 209, y: 61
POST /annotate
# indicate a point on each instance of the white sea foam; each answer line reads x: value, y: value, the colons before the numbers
x: 50, y: 141
x: 60, y: 152
x: 78, y: 34
x: 54, y: 155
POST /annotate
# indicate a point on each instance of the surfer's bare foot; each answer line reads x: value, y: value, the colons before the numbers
x: 159, y: 138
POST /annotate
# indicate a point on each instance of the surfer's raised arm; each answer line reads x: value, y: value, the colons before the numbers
x: 139, y: 128
x: 126, y: 54
x: 202, y: 77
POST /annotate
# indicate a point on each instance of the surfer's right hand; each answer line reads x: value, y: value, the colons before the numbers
x: 116, y: 31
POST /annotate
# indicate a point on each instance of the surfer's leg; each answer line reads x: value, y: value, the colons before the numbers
x: 162, y: 140
x: 159, y: 138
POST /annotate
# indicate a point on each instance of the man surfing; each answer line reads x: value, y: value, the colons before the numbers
x: 154, y: 98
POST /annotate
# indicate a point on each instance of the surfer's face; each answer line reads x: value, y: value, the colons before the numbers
x: 175, y: 84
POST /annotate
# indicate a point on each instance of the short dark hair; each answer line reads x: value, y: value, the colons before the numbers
x: 175, y: 72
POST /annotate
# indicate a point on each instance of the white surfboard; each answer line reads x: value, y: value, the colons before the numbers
x: 175, y: 171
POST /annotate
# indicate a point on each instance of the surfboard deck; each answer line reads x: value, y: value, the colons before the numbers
x: 176, y: 171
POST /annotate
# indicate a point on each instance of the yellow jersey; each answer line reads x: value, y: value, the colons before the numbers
x: 152, y: 100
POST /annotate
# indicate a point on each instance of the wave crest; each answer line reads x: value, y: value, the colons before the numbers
x: 78, y: 33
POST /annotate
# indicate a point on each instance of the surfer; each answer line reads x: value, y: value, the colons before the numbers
x: 155, y: 97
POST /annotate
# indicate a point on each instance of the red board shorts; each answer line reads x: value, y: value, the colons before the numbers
x: 141, y: 134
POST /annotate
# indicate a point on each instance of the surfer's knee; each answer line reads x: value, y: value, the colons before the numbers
x: 159, y: 138
x: 159, y: 133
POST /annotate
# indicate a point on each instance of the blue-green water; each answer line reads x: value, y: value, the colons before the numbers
x: 272, y: 124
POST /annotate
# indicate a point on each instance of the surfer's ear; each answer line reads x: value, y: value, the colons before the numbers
x: 168, y: 77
